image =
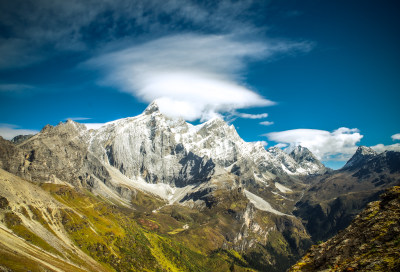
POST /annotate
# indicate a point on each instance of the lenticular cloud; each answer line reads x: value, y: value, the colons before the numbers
x: 190, y: 76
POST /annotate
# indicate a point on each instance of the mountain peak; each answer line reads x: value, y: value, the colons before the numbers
x: 299, y: 153
x: 215, y: 120
x: 362, y: 154
x: 365, y: 150
x: 153, y: 107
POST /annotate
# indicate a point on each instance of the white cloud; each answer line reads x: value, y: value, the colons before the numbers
x: 251, y: 116
x: 264, y: 143
x: 381, y: 147
x: 94, y: 125
x: 8, y: 131
x: 394, y: 147
x: 191, y: 76
x: 281, y: 145
x: 337, y: 145
x: 396, y: 137
x: 77, y: 118
x: 266, y: 123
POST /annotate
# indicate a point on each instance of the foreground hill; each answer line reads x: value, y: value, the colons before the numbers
x: 370, y: 243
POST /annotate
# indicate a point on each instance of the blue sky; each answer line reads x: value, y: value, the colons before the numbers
x: 323, y: 74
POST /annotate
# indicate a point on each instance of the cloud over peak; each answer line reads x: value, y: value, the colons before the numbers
x: 193, y: 76
x: 339, y: 144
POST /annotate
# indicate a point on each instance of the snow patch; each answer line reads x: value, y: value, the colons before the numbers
x: 261, y: 204
x: 162, y: 190
x: 282, y: 188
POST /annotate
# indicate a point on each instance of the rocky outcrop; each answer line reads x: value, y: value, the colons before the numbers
x: 370, y: 243
x: 56, y: 153
x: 11, y: 157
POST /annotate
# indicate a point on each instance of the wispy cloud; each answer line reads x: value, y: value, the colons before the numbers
x: 339, y: 144
x: 191, y: 75
x: 15, y: 87
x: 51, y: 26
x: 266, y: 123
x: 9, y: 131
x: 251, y: 116
x: 77, y: 118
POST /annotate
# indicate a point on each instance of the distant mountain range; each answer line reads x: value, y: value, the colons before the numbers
x: 199, y: 190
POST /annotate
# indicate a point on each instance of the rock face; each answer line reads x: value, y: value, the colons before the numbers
x: 11, y: 157
x: 370, y: 243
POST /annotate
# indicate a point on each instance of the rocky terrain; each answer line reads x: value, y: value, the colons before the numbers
x: 370, y: 243
x: 335, y: 198
x: 151, y: 192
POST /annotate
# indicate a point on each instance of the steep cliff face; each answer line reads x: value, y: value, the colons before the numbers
x: 370, y: 243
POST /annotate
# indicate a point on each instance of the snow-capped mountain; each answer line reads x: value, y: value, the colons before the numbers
x: 306, y: 160
x: 362, y: 155
x: 168, y: 157
x: 156, y: 149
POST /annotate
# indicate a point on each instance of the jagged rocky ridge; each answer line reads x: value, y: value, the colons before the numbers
x: 370, y: 243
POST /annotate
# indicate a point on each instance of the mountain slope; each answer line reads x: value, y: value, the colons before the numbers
x: 334, y: 199
x: 59, y: 228
x: 370, y: 243
x: 31, y: 229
